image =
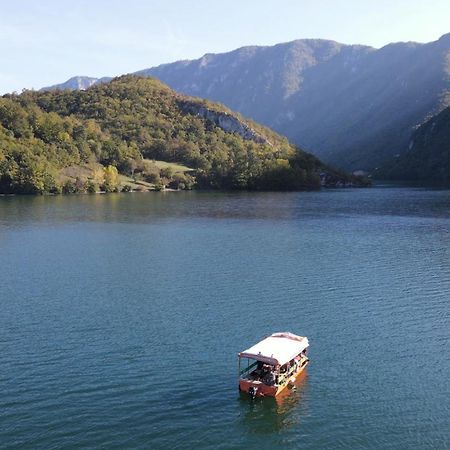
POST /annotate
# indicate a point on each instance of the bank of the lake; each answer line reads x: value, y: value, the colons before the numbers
x: 122, y: 316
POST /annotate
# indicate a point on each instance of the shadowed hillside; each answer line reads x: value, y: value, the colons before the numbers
x: 428, y: 154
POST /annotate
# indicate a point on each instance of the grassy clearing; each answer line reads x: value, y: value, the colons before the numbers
x: 94, y: 170
x: 88, y: 172
x: 177, y: 168
x: 83, y: 172
x: 137, y: 185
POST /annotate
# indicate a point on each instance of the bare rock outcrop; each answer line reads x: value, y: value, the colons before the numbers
x: 227, y: 122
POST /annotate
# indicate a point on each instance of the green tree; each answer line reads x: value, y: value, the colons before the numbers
x: 111, y: 179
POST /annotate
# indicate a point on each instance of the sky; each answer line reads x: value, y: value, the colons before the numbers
x: 47, y: 41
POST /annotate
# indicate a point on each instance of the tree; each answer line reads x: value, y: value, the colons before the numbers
x: 91, y: 187
x: 167, y: 172
x: 111, y: 179
x: 182, y: 181
x: 69, y: 187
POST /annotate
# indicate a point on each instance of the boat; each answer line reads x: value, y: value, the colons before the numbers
x: 271, y: 365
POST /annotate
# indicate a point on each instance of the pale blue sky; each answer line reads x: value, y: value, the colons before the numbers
x: 48, y: 41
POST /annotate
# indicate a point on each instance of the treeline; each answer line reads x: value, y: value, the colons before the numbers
x: 126, y: 122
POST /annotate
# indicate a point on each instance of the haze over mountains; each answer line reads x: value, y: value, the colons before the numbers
x: 353, y: 106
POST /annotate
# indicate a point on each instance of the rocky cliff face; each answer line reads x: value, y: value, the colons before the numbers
x: 225, y: 121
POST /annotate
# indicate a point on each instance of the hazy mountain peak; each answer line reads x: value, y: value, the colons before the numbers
x: 445, y: 38
x: 77, y: 83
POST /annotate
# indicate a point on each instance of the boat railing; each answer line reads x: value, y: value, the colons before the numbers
x: 282, y: 377
x: 248, y: 368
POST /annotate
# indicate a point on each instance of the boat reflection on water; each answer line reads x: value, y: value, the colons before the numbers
x: 292, y: 394
x: 265, y: 415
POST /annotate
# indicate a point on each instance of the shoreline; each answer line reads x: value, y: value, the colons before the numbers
x: 321, y: 188
x: 96, y: 193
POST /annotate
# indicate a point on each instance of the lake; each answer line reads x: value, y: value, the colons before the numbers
x: 122, y: 316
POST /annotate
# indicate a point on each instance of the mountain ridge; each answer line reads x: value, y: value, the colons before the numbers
x: 354, y: 106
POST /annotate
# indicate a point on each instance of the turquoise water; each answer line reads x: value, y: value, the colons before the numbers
x: 121, y: 317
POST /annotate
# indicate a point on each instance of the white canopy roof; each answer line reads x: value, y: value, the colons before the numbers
x: 279, y: 348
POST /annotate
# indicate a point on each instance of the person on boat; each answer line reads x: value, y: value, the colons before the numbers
x: 270, y: 377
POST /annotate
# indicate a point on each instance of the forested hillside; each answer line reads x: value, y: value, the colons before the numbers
x: 428, y: 155
x: 74, y: 141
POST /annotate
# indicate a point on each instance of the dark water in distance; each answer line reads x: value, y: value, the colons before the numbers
x: 121, y: 317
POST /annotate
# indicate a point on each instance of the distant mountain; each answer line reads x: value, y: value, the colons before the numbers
x: 77, y: 83
x: 428, y: 154
x: 353, y: 106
